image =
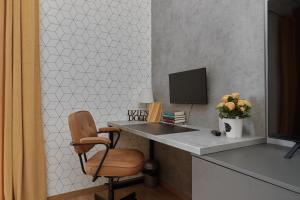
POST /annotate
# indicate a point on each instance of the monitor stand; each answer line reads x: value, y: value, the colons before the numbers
x: 292, y: 151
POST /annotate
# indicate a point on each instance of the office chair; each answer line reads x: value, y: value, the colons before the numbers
x: 111, y: 163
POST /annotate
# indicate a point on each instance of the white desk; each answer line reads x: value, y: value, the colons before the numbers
x: 249, y: 170
x: 196, y: 142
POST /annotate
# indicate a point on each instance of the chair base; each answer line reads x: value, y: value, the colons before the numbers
x: 112, y: 186
x: 131, y: 196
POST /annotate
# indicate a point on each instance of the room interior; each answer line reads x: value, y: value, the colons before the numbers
x: 149, y: 99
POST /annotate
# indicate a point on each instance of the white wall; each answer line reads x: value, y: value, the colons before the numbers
x: 96, y: 55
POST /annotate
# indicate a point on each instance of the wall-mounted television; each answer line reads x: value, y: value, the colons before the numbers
x: 284, y: 72
x: 188, y: 87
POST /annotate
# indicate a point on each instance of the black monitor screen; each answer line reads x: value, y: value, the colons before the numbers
x: 188, y: 87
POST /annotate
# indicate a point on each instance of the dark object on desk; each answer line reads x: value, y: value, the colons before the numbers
x: 216, y: 133
x: 160, y: 128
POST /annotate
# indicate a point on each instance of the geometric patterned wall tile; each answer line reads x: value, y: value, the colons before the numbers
x: 95, y: 55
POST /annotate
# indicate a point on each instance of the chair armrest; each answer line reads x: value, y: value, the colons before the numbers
x: 109, y: 129
x: 95, y: 140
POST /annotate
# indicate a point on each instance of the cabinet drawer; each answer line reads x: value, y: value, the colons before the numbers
x: 211, y: 182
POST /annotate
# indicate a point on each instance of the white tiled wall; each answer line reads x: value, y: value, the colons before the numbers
x: 96, y: 55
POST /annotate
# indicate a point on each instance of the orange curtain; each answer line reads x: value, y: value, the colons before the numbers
x: 21, y: 135
x: 1, y: 96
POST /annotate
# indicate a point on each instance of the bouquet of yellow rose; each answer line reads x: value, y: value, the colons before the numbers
x: 233, y: 107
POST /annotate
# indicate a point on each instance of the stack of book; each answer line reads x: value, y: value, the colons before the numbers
x: 174, y: 117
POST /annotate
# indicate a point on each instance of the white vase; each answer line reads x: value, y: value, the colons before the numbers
x: 233, y: 127
x: 221, y: 125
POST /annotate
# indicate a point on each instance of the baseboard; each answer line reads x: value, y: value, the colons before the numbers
x: 174, y: 191
x: 285, y: 143
x: 77, y: 193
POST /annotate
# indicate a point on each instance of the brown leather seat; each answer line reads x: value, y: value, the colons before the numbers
x: 118, y: 162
